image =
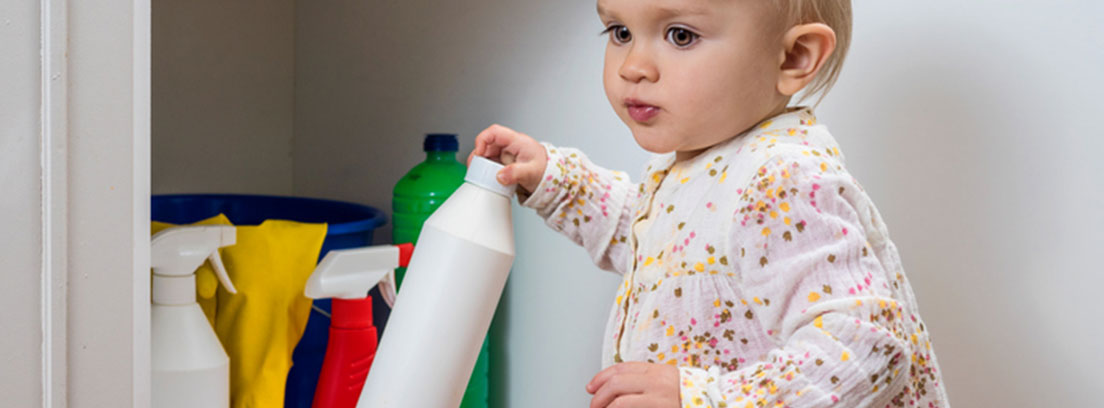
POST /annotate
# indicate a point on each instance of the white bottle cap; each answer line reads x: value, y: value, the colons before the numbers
x: 484, y: 173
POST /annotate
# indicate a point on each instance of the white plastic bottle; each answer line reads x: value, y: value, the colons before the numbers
x: 448, y: 297
x: 189, y: 366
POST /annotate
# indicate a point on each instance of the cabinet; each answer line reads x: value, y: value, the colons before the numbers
x: 331, y: 99
x: 107, y: 101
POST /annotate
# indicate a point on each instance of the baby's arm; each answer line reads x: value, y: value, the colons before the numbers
x: 589, y: 204
x: 838, y: 327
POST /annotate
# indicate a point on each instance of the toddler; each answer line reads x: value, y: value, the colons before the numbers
x: 756, y: 271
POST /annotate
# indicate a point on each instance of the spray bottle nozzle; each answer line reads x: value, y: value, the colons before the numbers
x: 177, y: 252
x: 351, y: 273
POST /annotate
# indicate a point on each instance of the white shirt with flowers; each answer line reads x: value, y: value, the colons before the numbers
x: 759, y: 267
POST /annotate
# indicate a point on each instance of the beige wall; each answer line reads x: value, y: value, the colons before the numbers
x: 20, y: 208
x: 223, y: 91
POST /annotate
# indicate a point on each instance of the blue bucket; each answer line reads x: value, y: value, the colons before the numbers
x: 350, y: 226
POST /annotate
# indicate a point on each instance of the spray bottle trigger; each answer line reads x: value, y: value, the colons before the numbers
x: 387, y: 288
x: 220, y: 272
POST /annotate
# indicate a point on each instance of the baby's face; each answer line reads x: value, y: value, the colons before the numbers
x: 688, y: 74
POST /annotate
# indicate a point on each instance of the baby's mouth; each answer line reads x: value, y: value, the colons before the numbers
x: 640, y: 111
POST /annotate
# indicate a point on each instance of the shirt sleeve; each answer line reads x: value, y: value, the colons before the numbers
x: 799, y: 237
x: 589, y: 204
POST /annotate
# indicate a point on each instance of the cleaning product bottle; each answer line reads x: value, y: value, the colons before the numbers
x: 416, y: 196
x: 452, y: 287
x: 189, y: 366
x: 346, y: 275
x: 424, y: 188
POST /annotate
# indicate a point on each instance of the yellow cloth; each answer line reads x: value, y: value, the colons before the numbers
x: 260, y: 325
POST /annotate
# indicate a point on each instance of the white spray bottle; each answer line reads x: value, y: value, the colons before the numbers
x: 448, y: 298
x: 189, y: 366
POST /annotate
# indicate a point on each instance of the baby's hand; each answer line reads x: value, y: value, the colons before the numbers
x: 524, y: 157
x: 636, y: 385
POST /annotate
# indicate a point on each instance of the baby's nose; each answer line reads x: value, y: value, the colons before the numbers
x: 638, y: 66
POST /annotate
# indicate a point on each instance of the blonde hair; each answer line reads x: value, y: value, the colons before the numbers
x: 833, y: 13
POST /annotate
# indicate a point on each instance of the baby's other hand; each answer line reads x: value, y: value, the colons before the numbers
x: 524, y: 157
x: 636, y: 385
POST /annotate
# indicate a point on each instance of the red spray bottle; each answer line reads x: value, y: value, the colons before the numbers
x: 346, y: 276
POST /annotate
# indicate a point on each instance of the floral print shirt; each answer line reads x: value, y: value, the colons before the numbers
x: 759, y: 268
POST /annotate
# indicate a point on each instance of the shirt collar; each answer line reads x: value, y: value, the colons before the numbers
x: 794, y: 119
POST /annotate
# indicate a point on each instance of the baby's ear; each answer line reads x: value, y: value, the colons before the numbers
x: 807, y: 47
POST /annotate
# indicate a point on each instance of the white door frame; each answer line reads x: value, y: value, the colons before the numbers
x: 54, y: 153
x: 95, y: 161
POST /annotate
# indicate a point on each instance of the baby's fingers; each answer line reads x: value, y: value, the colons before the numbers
x: 618, y: 386
x: 621, y: 368
x: 512, y: 174
x: 493, y: 139
x: 481, y: 141
x: 485, y: 149
x: 507, y: 157
x: 525, y: 174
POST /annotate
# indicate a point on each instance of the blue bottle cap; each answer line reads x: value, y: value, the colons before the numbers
x: 441, y: 142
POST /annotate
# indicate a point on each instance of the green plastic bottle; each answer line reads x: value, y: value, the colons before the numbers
x: 416, y: 196
x: 418, y: 193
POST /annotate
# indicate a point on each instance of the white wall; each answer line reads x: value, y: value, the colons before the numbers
x: 223, y: 92
x: 972, y: 125
x: 975, y: 127
x: 21, y: 207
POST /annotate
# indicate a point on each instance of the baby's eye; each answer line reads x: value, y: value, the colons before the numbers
x: 618, y: 34
x: 681, y: 37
